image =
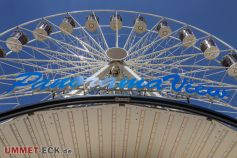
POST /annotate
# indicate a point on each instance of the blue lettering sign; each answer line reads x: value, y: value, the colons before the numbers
x: 36, y: 81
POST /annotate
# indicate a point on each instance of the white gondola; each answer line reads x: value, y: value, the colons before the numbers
x: 92, y: 22
x: 16, y: 41
x: 2, y: 53
x: 42, y: 32
x: 140, y: 25
x: 187, y: 37
x: 230, y: 61
x: 67, y: 25
x: 163, y: 29
x: 116, y: 22
x: 210, y: 49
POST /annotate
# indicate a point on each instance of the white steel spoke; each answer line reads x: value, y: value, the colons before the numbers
x: 68, y: 46
x: 130, y: 37
x: 90, y: 37
x: 147, y: 61
x: 101, y: 33
x: 117, y: 35
x: 144, y: 36
x: 84, y: 44
x: 190, y: 77
x: 144, y: 48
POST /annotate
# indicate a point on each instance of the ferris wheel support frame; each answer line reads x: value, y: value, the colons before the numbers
x: 148, y: 101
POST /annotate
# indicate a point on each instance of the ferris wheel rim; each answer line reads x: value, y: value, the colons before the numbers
x: 126, y: 11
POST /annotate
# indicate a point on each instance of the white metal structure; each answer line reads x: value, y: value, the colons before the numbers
x: 151, y: 47
x: 112, y: 127
x: 145, y: 55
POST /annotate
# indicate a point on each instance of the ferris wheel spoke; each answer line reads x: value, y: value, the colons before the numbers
x: 25, y: 62
x: 170, y: 65
x: 84, y: 44
x: 197, y: 69
x: 7, y: 64
x: 20, y: 94
x: 133, y: 54
x: 131, y: 37
x: 49, y: 57
x: 48, y: 97
x: 48, y: 61
x: 101, y: 33
x: 73, y: 51
x: 30, y: 63
x: 185, y: 76
x: 99, y: 55
x: 161, y: 52
x: 201, y: 71
x: 215, y: 73
x: 117, y: 32
x: 150, y: 60
x: 233, y: 97
x: 145, y: 49
x: 176, y: 47
x: 144, y: 36
x: 90, y: 37
x: 4, y: 83
x: 177, y: 63
x: 152, y: 43
x: 61, y: 43
x: 49, y: 51
x: 69, y: 46
x: 52, y: 56
x: 60, y: 70
x: 84, y: 72
x: 81, y: 57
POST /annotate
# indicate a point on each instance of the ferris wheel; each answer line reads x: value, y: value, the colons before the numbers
x: 118, y: 43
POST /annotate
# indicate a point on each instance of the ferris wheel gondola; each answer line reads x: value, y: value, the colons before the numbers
x: 187, y: 37
x: 163, y: 29
x: 116, y: 22
x: 92, y: 22
x: 230, y: 61
x: 42, y: 31
x: 16, y: 41
x: 140, y: 25
x: 67, y: 25
x: 210, y: 49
